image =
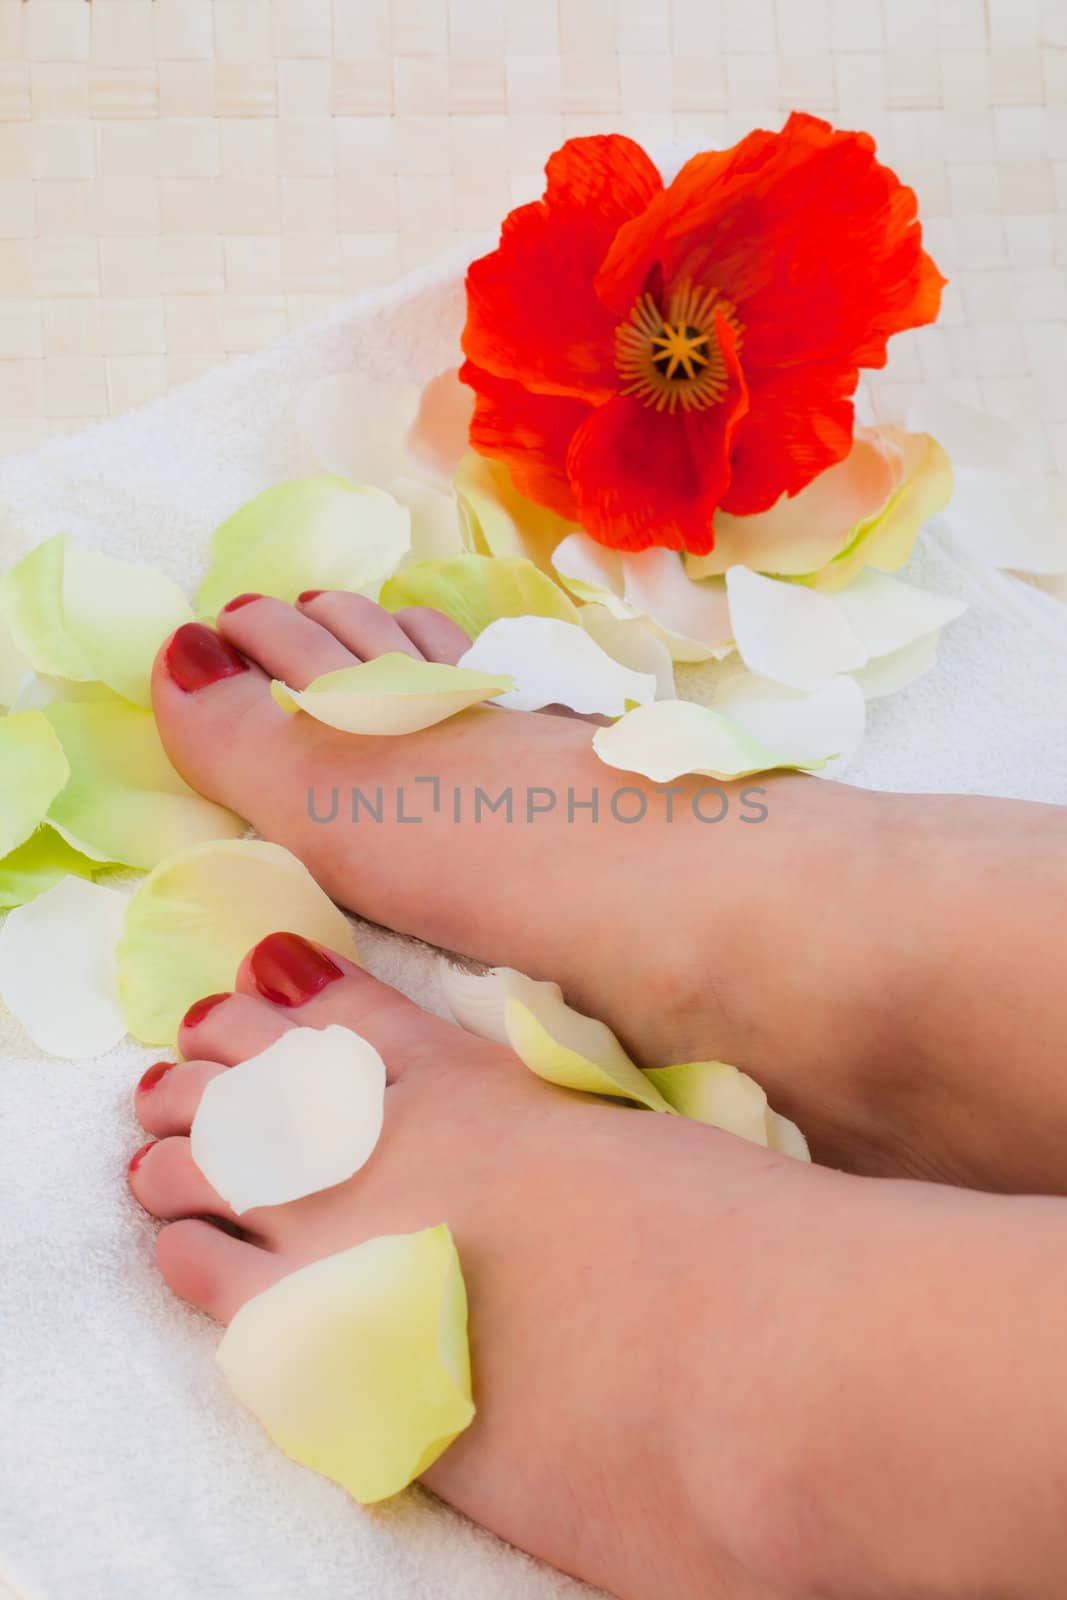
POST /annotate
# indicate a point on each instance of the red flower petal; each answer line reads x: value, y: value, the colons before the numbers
x: 533, y: 313
x: 800, y: 422
x: 530, y: 432
x: 815, y: 242
x: 643, y: 477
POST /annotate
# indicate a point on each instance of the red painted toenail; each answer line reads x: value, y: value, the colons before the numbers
x: 200, y: 1008
x: 240, y: 600
x: 153, y: 1076
x: 310, y: 594
x: 197, y: 657
x: 139, y: 1156
x: 289, y: 971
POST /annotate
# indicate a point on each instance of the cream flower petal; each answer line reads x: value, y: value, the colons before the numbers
x: 670, y: 738
x: 77, y: 614
x: 800, y: 534
x: 303, y: 1115
x: 124, y: 801
x: 13, y: 664
x: 556, y: 1042
x: 790, y: 633
x: 393, y: 694
x: 887, y: 674
x: 499, y: 520
x: 692, y: 619
x: 39, y: 864
x: 194, y: 919
x: 723, y: 1097
x: 629, y: 641
x: 793, y: 723
x: 321, y: 533
x: 438, y: 438
x: 72, y: 930
x: 34, y: 770
x: 886, y: 540
x: 358, y: 1366
x: 556, y: 663
x: 477, y: 590
x: 886, y: 614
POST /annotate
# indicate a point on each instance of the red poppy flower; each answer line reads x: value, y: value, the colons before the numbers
x: 642, y: 355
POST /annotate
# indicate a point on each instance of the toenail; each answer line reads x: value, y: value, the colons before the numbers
x: 310, y: 594
x: 200, y: 1008
x: 197, y: 657
x: 139, y: 1155
x: 240, y: 600
x: 289, y: 971
x: 154, y: 1076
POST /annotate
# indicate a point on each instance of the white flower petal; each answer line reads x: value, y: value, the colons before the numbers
x: 629, y: 641
x: 694, y: 618
x: 303, y: 1115
x: 58, y: 968
x: 793, y: 723
x: 790, y: 633
x: 670, y: 738
x: 886, y: 614
x: 887, y: 674
x: 556, y: 663
x: 392, y: 694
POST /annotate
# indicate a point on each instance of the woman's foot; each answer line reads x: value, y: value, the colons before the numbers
x: 831, y: 949
x: 694, y: 1361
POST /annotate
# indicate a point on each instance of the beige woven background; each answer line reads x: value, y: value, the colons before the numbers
x: 185, y: 179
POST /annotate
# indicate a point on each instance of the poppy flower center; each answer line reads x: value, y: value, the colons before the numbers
x: 674, y: 359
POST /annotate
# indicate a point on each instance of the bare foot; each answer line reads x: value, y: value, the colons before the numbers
x: 821, y: 949
x: 696, y: 1363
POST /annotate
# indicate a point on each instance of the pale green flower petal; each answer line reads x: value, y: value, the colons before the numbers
x: 556, y: 1042
x: 724, y: 1097
x: 302, y: 1115
x: 194, y: 919
x: 794, y: 723
x: 313, y: 533
x: 39, y: 864
x: 33, y: 770
x: 557, y: 663
x: 358, y: 1365
x: 13, y: 664
x: 477, y: 590
x: 890, y: 673
x: 788, y: 632
x: 57, y: 968
x: 392, y: 694
x: 670, y: 738
x: 124, y: 801
x: 499, y: 520
x: 77, y: 614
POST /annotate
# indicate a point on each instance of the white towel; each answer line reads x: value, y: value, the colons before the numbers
x: 125, y: 1466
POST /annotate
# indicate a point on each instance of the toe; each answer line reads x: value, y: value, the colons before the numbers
x: 230, y: 1028
x: 285, y: 642
x: 168, y: 1095
x: 317, y: 987
x: 365, y: 627
x: 212, y: 707
x: 212, y: 1270
x: 437, y: 636
x: 165, y: 1180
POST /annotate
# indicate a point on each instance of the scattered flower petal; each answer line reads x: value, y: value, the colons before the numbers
x: 57, y: 968
x: 788, y: 632
x: 313, y: 533
x: 629, y: 641
x: 670, y: 738
x: 792, y: 722
x: 34, y: 771
x: 193, y: 920
x: 303, y: 1115
x: 124, y: 801
x: 500, y: 520
x: 556, y: 1042
x: 723, y: 1097
x: 887, y: 674
x: 75, y: 613
x: 393, y: 694
x: 39, y: 864
x: 358, y: 1365
x: 886, y: 614
x: 557, y: 663
x: 13, y: 664
x: 886, y: 540
x: 692, y: 619
x: 477, y: 590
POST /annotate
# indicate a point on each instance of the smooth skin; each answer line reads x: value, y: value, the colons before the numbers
x: 702, y: 1370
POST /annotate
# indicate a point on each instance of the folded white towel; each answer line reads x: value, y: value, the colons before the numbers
x: 126, y: 1468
